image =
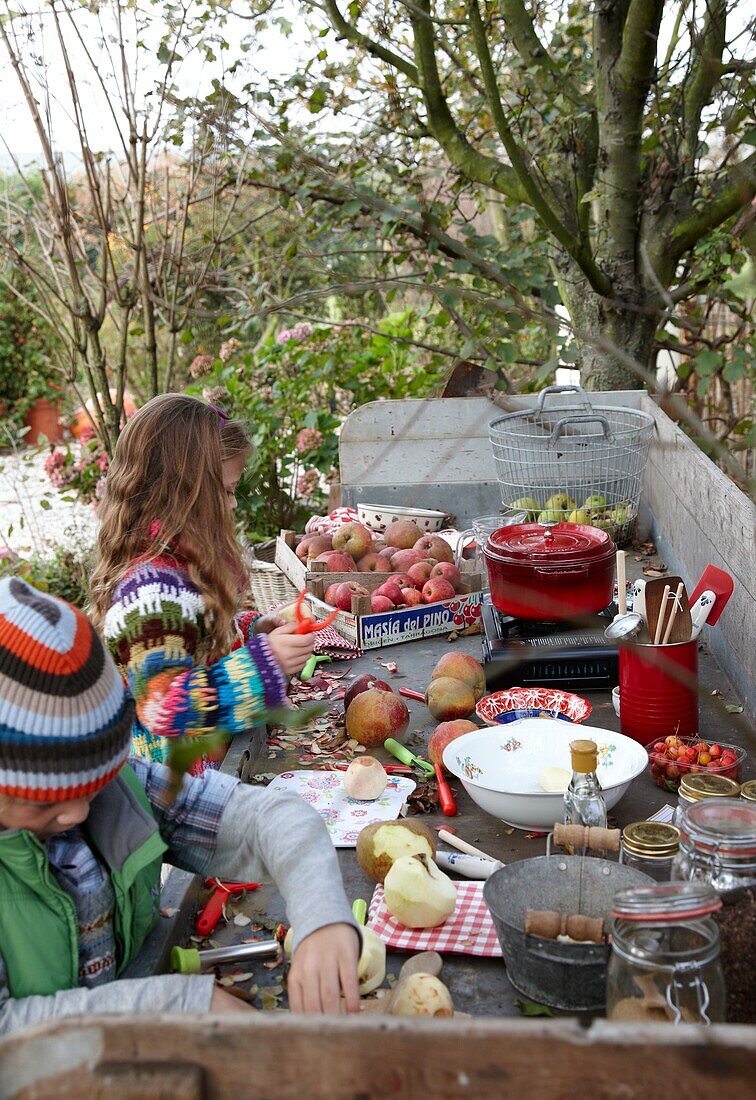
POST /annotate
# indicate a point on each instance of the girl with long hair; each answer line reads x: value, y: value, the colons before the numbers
x: 166, y: 587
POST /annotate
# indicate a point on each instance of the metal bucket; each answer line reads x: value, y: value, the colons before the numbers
x: 562, y: 975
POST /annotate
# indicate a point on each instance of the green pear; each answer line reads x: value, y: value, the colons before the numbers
x: 579, y: 516
x: 551, y: 515
x: 561, y: 501
x: 526, y: 504
x: 594, y: 503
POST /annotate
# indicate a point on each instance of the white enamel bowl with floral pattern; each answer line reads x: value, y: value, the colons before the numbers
x: 499, y: 767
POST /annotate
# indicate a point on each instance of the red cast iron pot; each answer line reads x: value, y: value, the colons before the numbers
x: 550, y: 573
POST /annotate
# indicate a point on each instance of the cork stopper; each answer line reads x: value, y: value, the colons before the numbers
x: 584, y: 756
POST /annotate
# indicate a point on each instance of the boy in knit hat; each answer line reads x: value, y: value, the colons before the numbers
x: 83, y: 836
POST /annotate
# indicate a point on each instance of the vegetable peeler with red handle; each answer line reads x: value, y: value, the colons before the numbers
x: 222, y: 891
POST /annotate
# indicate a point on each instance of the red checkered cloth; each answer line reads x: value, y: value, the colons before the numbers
x: 330, y: 643
x: 469, y: 931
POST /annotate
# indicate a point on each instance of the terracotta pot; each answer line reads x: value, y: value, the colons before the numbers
x: 43, y: 419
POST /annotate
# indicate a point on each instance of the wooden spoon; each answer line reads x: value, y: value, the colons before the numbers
x: 654, y: 595
x: 679, y: 625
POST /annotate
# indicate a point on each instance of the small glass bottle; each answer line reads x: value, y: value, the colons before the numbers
x: 664, y: 964
x: 698, y: 786
x: 583, y: 800
x: 718, y: 847
x: 650, y: 847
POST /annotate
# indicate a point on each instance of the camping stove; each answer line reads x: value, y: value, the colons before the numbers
x: 572, y: 656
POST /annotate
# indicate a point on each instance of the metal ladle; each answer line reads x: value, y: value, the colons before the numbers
x: 624, y: 628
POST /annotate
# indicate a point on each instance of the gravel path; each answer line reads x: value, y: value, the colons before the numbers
x: 34, y: 517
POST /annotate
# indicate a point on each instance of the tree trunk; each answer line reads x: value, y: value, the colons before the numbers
x: 599, y: 321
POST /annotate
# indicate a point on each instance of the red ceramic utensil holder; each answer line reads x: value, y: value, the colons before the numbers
x: 658, y: 690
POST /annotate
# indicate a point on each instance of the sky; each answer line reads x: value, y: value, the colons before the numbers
x: 271, y: 52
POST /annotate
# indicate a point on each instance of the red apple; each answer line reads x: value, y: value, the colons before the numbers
x: 433, y: 546
x: 411, y: 597
x: 344, y: 593
x: 437, y: 589
x: 401, y: 580
x: 449, y: 572
x: 312, y: 545
x: 404, y: 559
x: 402, y: 533
x: 373, y: 562
x: 443, y: 734
x: 420, y: 572
x: 380, y: 604
x: 375, y: 715
x: 330, y: 593
x: 391, y: 590
x: 337, y: 561
x: 363, y: 683
x: 353, y: 539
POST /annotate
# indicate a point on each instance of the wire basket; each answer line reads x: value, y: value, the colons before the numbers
x: 575, y: 462
x: 268, y: 585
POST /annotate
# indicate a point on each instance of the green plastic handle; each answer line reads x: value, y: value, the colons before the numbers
x: 359, y: 910
x: 185, y: 960
x: 401, y: 752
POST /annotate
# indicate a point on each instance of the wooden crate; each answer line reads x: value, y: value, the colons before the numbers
x: 274, y: 1056
x: 369, y: 630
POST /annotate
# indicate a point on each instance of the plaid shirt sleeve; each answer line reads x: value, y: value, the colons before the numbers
x: 189, y: 825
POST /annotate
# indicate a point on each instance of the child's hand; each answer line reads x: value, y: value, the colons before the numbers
x: 323, y: 968
x: 266, y: 623
x: 291, y: 650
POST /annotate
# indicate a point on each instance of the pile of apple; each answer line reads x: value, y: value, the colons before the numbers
x: 562, y: 508
x: 675, y: 756
x: 422, y: 565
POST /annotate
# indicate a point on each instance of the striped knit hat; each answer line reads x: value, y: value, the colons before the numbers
x: 65, y: 718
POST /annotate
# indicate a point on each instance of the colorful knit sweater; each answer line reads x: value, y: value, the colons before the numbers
x: 155, y: 629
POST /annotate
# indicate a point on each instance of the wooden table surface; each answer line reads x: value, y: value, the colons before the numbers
x: 478, y: 986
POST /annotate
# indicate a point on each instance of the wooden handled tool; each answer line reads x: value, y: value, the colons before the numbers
x: 587, y: 836
x: 549, y: 924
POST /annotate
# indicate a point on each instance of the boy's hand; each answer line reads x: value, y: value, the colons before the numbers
x: 323, y: 968
x: 291, y: 649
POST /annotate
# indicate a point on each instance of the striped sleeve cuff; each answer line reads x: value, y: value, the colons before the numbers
x: 271, y: 673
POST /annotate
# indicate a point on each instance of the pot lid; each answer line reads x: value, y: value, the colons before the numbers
x: 562, y: 542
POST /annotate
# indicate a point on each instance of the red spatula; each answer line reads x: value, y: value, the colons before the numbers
x: 721, y: 584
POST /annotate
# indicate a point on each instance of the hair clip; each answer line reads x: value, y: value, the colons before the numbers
x: 223, y: 416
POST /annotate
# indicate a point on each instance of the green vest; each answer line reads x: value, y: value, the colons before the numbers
x: 38, y: 932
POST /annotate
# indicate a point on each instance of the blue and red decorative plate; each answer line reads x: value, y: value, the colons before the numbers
x: 508, y: 706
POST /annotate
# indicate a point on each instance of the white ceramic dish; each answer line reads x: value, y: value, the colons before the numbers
x: 378, y: 516
x: 499, y: 767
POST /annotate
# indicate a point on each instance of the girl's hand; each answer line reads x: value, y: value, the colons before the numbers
x: 291, y: 650
x: 266, y: 623
x: 323, y: 968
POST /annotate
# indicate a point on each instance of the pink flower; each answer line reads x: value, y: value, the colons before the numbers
x: 299, y: 333
x: 86, y: 434
x: 217, y: 395
x: 307, y: 483
x: 201, y: 365
x: 228, y: 348
x: 309, y: 439
x: 102, y: 461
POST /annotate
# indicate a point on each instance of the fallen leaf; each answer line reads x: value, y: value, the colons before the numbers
x: 171, y: 911
x: 733, y: 708
x: 717, y: 693
x: 242, y: 920
x: 530, y: 1008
